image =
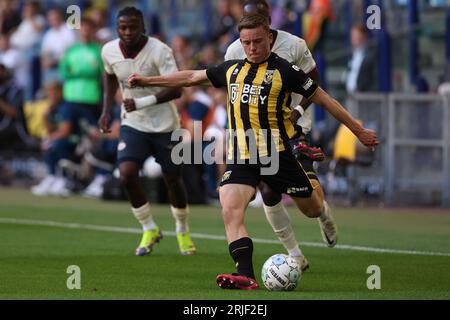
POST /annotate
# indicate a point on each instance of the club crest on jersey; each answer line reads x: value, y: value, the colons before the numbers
x: 268, y: 78
x: 308, y: 84
x: 234, y: 92
x: 226, y: 176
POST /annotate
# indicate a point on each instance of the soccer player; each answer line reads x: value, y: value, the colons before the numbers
x: 295, y: 50
x: 148, y: 119
x: 259, y: 89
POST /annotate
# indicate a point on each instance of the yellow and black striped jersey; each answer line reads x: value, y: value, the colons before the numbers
x: 259, y: 103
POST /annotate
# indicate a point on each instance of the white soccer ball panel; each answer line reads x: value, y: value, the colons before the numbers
x: 280, y: 273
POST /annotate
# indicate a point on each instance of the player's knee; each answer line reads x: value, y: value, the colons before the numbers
x: 313, y: 209
x: 227, y: 215
x: 173, y: 182
x: 270, y: 198
x: 128, y: 177
x: 231, y: 216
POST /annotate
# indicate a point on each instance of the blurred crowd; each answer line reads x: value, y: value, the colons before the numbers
x: 51, y: 97
x: 46, y: 67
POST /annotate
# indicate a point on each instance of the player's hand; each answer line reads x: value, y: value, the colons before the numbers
x: 136, y: 80
x: 129, y: 105
x: 103, y: 123
x: 295, y: 115
x: 368, y: 138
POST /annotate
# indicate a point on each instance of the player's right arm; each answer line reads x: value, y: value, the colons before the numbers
x: 186, y: 78
x: 111, y: 84
x: 215, y: 76
x: 165, y: 63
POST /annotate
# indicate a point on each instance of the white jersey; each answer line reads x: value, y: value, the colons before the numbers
x: 294, y: 50
x: 155, y: 59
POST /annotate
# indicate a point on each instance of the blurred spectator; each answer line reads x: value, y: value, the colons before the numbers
x: 59, y: 144
x: 27, y: 39
x: 102, y: 155
x: 422, y: 85
x: 54, y: 44
x: 215, y: 132
x: 280, y: 15
x: 236, y: 11
x: 14, y: 60
x: 447, y: 72
x: 362, y: 74
x: 226, y: 21
x: 13, y: 135
x: 195, y: 118
x: 226, y: 39
x: 319, y: 15
x: 208, y: 57
x: 206, y: 110
x: 444, y: 87
x: 29, y: 32
x: 81, y: 69
x: 219, y: 117
x: 9, y: 16
x: 183, y: 52
x: 103, y: 32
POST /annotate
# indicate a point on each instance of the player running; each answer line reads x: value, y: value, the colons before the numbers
x: 259, y: 90
x: 148, y: 120
x: 294, y: 50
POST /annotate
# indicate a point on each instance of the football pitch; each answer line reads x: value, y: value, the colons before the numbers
x: 42, y: 237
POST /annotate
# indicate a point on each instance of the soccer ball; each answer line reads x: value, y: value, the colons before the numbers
x: 281, y: 273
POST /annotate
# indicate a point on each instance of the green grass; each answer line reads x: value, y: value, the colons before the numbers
x: 34, y: 258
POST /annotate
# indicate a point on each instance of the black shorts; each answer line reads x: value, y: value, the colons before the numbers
x: 137, y: 146
x: 309, y: 169
x: 290, y: 179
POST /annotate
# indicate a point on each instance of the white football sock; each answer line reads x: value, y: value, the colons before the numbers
x: 326, y: 212
x: 144, y: 216
x: 278, y: 218
x: 180, y: 215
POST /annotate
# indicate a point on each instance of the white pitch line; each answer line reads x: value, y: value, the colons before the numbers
x: 209, y: 236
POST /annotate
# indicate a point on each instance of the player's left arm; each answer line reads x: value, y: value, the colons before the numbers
x: 174, y: 82
x: 165, y: 62
x: 297, y: 81
x: 164, y: 95
x: 366, y: 136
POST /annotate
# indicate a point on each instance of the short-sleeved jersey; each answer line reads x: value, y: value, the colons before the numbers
x: 81, y: 69
x: 259, y: 99
x: 294, y: 50
x: 155, y: 59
